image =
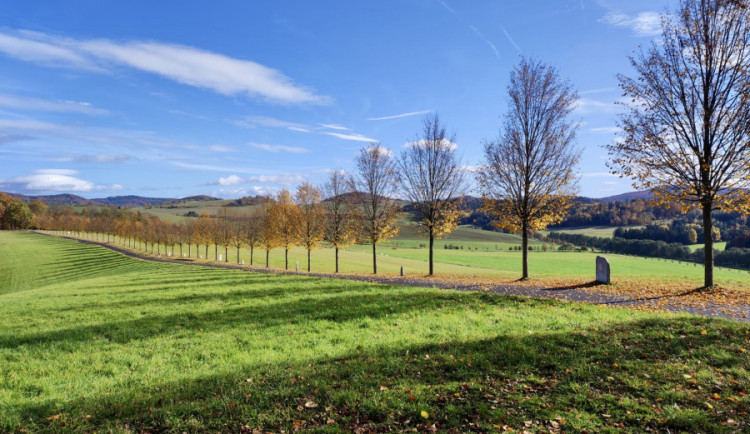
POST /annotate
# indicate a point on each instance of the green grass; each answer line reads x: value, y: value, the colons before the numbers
x: 593, y: 231
x: 91, y: 340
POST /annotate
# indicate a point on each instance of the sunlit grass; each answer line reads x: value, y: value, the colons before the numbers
x: 90, y: 340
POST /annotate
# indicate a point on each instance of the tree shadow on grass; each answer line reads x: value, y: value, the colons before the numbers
x: 593, y: 379
x: 337, y: 304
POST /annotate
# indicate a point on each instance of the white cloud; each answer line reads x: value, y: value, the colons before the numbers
x: 402, y: 115
x: 211, y: 168
x: 183, y: 64
x: 12, y: 138
x: 279, y: 148
x: 46, y: 105
x: 54, y: 180
x: 353, y: 136
x: 421, y: 143
x: 53, y: 54
x: 285, y: 180
x: 643, y: 24
x: 382, y: 150
x: 265, y: 121
x: 100, y: 158
x: 221, y: 148
x: 231, y: 180
x: 334, y: 127
x: 606, y: 130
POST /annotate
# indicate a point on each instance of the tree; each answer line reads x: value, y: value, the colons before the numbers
x: 686, y: 127
x: 38, y: 207
x: 312, y: 218
x: 253, y: 232
x: 203, y: 231
x: 340, y: 223
x: 284, y: 218
x: 527, y: 176
x: 375, y: 183
x: 431, y: 180
x: 269, y: 237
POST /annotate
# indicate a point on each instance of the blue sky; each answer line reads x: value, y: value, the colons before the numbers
x: 235, y: 98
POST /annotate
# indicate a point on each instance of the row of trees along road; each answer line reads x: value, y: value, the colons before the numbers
x: 685, y: 137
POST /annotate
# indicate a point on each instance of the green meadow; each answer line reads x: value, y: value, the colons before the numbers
x: 91, y: 340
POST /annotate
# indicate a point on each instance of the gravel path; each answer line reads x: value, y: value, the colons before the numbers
x: 586, y: 293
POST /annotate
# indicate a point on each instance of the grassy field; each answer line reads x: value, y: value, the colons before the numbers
x: 92, y: 340
x: 484, y: 255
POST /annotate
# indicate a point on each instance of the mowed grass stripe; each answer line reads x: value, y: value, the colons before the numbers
x: 178, y: 348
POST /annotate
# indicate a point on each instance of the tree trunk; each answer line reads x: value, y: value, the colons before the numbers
x: 189, y: 247
x: 525, y: 249
x: 216, y: 252
x: 251, y: 255
x: 374, y: 259
x: 286, y: 258
x: 432, y: 244
x: 337, y: 259
x: 238, y: 255
x: 708, y: 247
x: 267, y: 253
x: 180, y: 250
x: 226, y: 254
x: 308, y: 260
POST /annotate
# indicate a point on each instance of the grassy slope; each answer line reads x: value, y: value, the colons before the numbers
x: 92, y: 340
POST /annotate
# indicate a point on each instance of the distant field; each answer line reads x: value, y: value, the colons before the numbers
x: 93, y: 341
x: 593, y: 231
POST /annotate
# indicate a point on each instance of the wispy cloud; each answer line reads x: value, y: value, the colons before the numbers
x: 279, y: 148
x: 183, y: 64
x: 23, y: 103
x: 600, y: 90
x: 12, y: 138
x: 285, y: 179
x: 48, y: 180
x: 402, y: 115
x: 482, y: 37
x: 211, y: 168
x: 606, y: 130
x: 266, y: 121
x: 221, y: 148
x: 643, y: 24
x: 99, y: 158
x: 335, y: 127
x: 510, y: 38
x: 354, y: 137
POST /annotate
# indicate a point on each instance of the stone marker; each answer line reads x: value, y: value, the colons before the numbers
x: 243, y: 262
x: 297, y: 266
x: 220, y: 258
x: 602, y: 270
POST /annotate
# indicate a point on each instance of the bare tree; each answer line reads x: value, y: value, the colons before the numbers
x: 686, y: 130
x: 528, y: 177
x: 375, y: 183
x: 312, y: 218
x: 432, y: 181
x: 341, y: 225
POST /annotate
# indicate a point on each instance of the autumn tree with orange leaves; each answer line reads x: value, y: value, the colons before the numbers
x: 686, y: 128
x: 527, y: 177
x: 284, y: 220
x: 312, y: 218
